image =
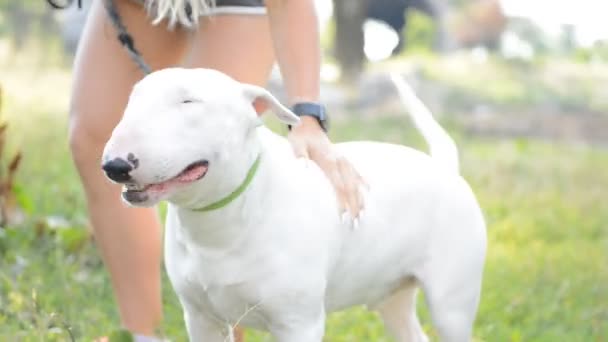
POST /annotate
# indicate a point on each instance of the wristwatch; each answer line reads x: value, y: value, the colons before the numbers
x: 313, y: 109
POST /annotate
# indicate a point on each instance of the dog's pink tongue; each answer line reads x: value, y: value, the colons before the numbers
x: 187, y: 176
x: 191, y: 174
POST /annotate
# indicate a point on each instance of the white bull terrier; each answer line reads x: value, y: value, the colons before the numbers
x: 253, y: 234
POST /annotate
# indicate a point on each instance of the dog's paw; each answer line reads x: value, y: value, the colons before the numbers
x: 356, y: 223
x: 347, y: 219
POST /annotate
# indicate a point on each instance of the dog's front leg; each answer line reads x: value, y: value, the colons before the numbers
x: 309, y: 330
x: 201, y: 328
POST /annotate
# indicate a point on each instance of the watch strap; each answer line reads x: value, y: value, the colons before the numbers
x: 313, y: 109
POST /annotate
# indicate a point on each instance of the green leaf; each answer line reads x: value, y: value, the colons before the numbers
x: 23, y: 200
x: 72, y: 239
x: 120, y: 336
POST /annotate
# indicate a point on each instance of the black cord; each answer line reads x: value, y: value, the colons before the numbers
x: 123, y: 35
x: 68, y: 3
x: 125, y: 38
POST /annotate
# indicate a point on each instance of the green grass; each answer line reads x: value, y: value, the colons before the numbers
x: 546, y: 206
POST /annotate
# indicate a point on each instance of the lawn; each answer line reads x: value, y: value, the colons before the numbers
x: 546, y: 205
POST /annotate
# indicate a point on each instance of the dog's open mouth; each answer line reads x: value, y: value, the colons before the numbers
x: 136, y: 193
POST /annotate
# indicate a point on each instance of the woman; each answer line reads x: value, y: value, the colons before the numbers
x: 239, y: 37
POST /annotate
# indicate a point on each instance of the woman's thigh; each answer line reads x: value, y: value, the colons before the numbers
x: 238, y: 45
x: 104, y: 73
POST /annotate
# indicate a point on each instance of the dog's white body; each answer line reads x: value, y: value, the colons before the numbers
x: 279, y: 257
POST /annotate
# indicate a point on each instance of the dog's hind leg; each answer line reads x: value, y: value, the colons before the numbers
x: 453, y: 310
x: 399, y: 315
x: 452, y: 288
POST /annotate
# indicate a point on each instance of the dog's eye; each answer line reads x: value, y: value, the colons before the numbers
x: 187, y: 101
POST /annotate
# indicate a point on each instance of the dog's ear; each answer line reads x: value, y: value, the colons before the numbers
x: 254, y: 94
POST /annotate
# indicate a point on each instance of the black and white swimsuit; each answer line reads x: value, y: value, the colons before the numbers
x: 187, y: 12
x: 255, y: 7
x: 239, y: 7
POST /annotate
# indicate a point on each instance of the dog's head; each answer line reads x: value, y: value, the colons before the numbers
x: 183, y: 129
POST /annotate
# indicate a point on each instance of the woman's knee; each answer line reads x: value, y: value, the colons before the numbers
x: 86, y: 140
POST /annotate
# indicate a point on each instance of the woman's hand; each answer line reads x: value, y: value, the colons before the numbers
x: 310, y: 141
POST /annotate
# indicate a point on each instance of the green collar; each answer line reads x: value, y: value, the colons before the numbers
x: 233, y: 195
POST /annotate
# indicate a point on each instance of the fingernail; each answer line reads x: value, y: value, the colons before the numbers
x: 361, y: 214
x: 356, y: 224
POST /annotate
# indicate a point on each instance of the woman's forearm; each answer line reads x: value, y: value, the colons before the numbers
x: 295, y: 32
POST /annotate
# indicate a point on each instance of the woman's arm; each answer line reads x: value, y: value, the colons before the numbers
x: 295, y: 33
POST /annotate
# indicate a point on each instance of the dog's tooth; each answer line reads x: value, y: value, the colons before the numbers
x: 134, y: 187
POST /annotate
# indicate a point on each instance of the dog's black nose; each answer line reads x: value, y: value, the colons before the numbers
x: 118, y: 170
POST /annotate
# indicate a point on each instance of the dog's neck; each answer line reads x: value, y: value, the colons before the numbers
x: 208, y: 228
x: 219, y: 204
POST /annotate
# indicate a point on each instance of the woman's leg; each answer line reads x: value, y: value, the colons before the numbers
x: 128, y: 238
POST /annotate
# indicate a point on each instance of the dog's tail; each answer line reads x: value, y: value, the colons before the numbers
x: 442, y: 147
